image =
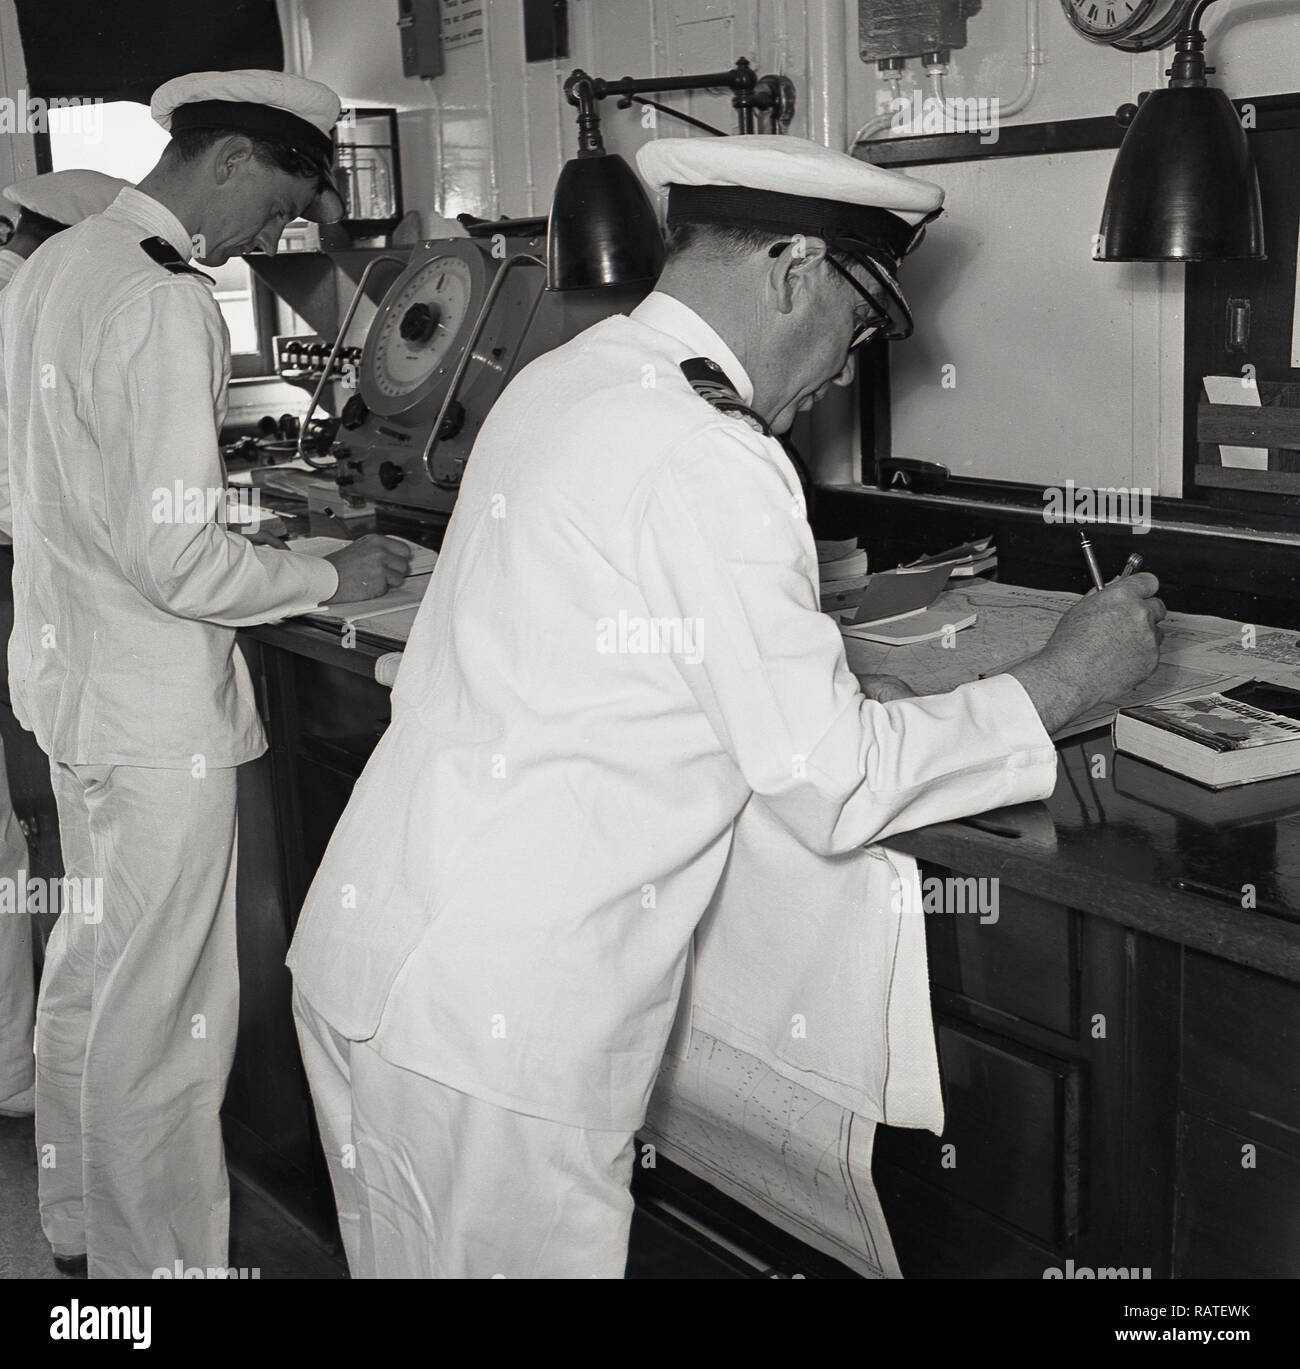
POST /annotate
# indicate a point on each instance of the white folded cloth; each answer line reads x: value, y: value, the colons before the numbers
x: 817, y: 966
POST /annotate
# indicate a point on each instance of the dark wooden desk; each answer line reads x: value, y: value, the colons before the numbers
x: 1120, y: 1050
x: 1109, y: 1045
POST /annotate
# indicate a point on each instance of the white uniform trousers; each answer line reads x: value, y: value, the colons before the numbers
x: 17, y: 991
x: 136, y: 1021
x: 432, y: 1183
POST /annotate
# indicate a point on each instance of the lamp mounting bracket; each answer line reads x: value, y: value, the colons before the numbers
x: 751, y: 94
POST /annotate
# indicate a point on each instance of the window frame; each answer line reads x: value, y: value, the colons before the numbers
x: 258, y: 365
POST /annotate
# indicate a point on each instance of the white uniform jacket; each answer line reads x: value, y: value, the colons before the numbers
x: 620, y: 644
x: 127, y: 589
x: 9, y: 264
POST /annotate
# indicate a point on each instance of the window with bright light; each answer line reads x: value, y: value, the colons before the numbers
x: 120, y: 138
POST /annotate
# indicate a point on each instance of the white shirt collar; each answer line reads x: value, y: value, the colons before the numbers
x: 667, y: 314
x: 135, y: 207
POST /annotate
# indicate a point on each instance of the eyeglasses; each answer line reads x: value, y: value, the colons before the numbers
x: 877, y: 318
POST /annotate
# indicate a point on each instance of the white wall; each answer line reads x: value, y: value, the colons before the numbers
x: 490, y: 135
x: 17, y: 150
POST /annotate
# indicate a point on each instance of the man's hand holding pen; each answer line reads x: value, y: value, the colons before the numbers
x: 1107, y: 643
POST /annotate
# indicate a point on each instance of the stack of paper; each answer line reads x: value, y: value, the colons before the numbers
x: 423, y: 559
x: 971, y: 558
x: 842, y: 572
x: 895, y: 609
x: 840, y: 561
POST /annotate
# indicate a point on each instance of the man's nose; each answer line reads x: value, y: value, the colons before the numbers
x: 268, y: 240
x: 845, y: 377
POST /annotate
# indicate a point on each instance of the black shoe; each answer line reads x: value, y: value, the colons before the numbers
x: 72, y: 1266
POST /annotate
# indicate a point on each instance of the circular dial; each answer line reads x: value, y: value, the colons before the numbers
x: 1105, y: 20
x: 420, y: 325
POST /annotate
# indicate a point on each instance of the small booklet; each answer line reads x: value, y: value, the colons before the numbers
x: 1241, y: 735
x: 921, y: 625
x: 892, y: 593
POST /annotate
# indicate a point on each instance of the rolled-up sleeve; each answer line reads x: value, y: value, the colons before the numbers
x: 153, y: 410
x: 724, y: 547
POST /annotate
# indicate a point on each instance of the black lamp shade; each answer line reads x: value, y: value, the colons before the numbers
x: 603, y: 229
x: 1184, y: 186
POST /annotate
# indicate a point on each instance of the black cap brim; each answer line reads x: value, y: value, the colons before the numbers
x: 327, y: 207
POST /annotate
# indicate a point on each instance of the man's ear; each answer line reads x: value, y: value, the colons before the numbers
x: 229, y: 155
x: 792, y: 269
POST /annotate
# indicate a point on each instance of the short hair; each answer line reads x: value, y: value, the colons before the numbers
x: 38, y: 226
x: 189, y: 144
x: 718, y: 241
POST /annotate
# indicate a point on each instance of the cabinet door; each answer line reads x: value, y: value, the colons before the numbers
x: 267, y: 1116
x: 1013, y: 1141
x: 1238, y: 1211
x: 1057, y: 1039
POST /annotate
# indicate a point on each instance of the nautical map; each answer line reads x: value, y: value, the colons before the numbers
x: 1013, y: 623
x: 795, y: 1158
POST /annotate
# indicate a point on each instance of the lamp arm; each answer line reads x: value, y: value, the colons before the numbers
x: 1194, y: 22
x: 740, y: 77
x: 676, y: 114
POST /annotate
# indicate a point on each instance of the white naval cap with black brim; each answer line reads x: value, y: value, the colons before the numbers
x: 272, y: 105
x: 790, y: 185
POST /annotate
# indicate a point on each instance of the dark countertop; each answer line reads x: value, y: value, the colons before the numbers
x: 1172, y: 862
x: 325, y: 644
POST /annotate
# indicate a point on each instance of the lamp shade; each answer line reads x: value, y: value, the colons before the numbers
x: 603, y: 229
x: 1184, y: 186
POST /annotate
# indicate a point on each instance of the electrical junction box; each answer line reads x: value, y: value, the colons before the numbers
x: 419, y: 23
x: 911, y: 28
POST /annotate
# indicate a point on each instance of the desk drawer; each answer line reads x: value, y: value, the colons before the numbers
x: 1233, y: 1221
x: 1014, y: 1122
x: 1026, y: 963
x: 1241, y: 1039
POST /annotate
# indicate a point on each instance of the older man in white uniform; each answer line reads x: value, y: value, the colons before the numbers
x: 47, y: 205
x: 123, y: 658
x: 621, y: 646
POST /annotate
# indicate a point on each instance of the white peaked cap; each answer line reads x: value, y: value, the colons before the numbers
x: 779, y: 184
x: 67, y: 197
x: 262, y: 104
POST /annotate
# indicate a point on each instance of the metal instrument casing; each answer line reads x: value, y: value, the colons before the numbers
x: 410, y: 356
x: 403, y: 381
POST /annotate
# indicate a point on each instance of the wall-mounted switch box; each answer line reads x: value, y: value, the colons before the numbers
x: 911, y: 28
x: 419, y: 25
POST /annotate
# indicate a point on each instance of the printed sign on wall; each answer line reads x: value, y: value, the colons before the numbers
x: 462, y: 22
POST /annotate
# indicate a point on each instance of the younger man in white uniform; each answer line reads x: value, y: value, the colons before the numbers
x: 123, y: 659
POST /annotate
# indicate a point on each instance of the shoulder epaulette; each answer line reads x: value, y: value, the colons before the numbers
x: 166, y: 255
x: 711, y: 383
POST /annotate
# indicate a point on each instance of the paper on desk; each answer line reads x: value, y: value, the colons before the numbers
x: 1237, y: 390
x: 405, y: 597
x: 892, y: 593
x: 923, y: 624
x: 1014, y: 622
x: 423, y: 559
x: 1264, y: 653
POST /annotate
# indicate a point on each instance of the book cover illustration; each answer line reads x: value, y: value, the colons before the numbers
x: 1219, y: 722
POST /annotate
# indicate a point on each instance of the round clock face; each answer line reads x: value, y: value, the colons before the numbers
x: 422, y: 321
x: 1105, y: 20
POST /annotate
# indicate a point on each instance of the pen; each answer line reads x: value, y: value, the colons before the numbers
x: 1088, y: 555
x: 1131, y: 566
